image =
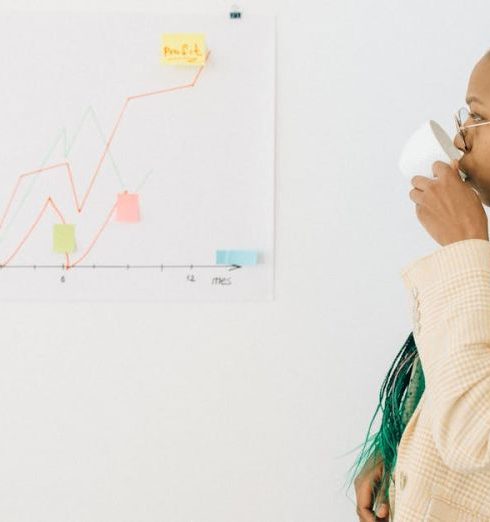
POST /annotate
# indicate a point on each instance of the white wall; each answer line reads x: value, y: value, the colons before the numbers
x: 241, y: 412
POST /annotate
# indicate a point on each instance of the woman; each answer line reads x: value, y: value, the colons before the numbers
x: 430, y: 460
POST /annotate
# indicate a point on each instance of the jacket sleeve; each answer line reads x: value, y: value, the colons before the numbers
x: 450, y: 292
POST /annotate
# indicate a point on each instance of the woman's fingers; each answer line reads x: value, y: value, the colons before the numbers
x: 365, y: 499
x: 367, y: 484
x: 383, y: 512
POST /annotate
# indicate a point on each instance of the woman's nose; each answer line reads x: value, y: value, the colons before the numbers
x: 459, y: 143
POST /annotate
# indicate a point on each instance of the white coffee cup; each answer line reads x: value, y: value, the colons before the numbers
x: 427, y: 144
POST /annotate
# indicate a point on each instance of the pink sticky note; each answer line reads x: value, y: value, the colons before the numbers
x: 128, y: 208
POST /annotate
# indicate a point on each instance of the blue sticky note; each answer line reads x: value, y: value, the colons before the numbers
x: 236, y: 257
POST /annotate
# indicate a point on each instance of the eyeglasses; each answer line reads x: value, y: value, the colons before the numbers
x: 461, y: 116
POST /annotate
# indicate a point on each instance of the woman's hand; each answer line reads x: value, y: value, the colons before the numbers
x: 368, y: 495
x: 447, y: 207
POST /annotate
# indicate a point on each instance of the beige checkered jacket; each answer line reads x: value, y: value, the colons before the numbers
x: 442, y: 472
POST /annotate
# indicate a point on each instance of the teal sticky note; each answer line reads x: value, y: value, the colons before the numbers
x: 236, y: 257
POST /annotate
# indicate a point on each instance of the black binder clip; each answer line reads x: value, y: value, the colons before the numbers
x: 235, y: 12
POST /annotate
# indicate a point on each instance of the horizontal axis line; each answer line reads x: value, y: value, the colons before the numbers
x: 127, y: 266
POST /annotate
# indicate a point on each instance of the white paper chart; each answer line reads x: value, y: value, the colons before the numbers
x: 124, y: 178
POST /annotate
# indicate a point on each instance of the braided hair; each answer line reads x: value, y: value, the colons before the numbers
x: 398, y: 397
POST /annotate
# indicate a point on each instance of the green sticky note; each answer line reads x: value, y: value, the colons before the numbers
x: 63, y: 238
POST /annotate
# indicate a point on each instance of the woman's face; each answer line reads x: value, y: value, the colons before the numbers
x: 476, y: 161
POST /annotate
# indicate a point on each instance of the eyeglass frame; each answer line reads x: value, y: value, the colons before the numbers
x: 460, y: 127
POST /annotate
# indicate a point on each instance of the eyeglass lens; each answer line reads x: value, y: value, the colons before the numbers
x: 463, y: 115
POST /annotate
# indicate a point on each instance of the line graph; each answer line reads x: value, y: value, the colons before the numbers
x: 125, y: 179
x: 67, y: 146
x: 80, y: 204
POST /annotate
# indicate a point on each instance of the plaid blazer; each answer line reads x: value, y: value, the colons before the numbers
x: 442, y: 472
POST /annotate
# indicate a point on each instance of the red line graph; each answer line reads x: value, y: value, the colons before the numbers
x: 80, y: 205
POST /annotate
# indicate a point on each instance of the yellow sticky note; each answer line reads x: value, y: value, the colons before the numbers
x: 63, y: 238
x: 183, y: 48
